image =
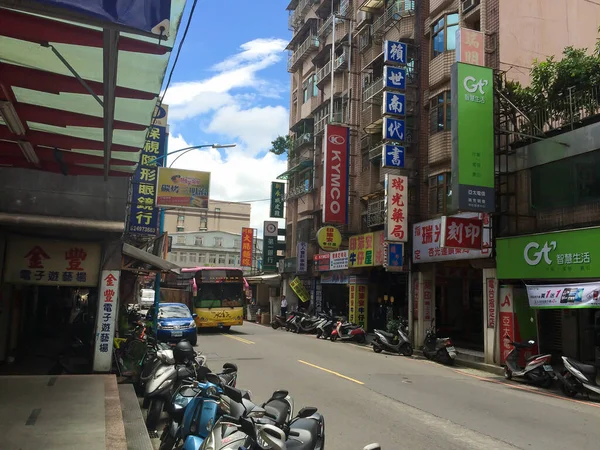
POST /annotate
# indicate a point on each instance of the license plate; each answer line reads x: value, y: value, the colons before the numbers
x: 548, y: 368
x: 450, y: 349
x: 176, y: 333
x: 452, y: 354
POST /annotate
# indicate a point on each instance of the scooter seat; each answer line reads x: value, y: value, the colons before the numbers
x: 532, y: 357
x: 308, y: 429
x: 589, y: 371
x: 385, y: 334
x: 278, y: 409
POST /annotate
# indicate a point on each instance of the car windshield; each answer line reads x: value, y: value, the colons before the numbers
x: 173, y: 312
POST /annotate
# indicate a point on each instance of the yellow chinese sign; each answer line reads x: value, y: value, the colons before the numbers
x: 177, y: 187
x: 357, y: 308
x: 360, y: 252
x: 299, y: 289
x: 329, y: 238
x: 52, y: 263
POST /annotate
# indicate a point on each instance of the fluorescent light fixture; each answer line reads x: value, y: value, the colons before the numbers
x: 29, y: 152
x: 223, y: 145
x: 11, y: 118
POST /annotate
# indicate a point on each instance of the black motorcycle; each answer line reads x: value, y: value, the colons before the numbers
x: 438, y: 349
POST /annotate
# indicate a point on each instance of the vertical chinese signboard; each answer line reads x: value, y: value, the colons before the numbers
x: 469, y: 46
x: 428, y: 296
x: 491, y: 302
x: 472, y: 138
x: 246, y: 250
x: 360, y: 253
x: 302, y: 255
x: 277, y: 194
x: 361, y: 305
x: 270, y: 231
x: 336, y: 174
x: 396, y: 201
x: 352, y: 307
x: 507, y: 322
x: 108, y: 307
x: 143, y: 216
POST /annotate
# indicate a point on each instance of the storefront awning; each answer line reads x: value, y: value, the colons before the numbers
x: 272, y: 279
x: 150, y: 262
x: 304, y: 163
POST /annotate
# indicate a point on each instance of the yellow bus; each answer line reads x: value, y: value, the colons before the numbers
x: 217, y: 294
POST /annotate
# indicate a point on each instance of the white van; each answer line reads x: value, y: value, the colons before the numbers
x: 146, y: 298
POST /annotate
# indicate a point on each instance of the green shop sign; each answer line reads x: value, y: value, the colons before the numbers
x: 568, y: 254
x: 472, y: 138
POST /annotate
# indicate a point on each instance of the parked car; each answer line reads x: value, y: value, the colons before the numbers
x: 175, y: 322
x: 146, y: 298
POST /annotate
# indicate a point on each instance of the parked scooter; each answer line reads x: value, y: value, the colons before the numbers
x: 325, y: 327
x: 578, y: 378
x: 347, y: 331
x: 438, y: 349
x: 398, y: 342
x: 307, y: 323
x: 537, y: 367
x: 279, y: 321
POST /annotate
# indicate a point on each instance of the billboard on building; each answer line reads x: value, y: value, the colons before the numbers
x: 178, y: 187
x: 472, y: 138
x: 247, y: 247
x: 470, y: 46
x: 396, y: 208
x: 360, y: 252
x: 277, y: 199
x: 336, y: 174
x: 461, y: 232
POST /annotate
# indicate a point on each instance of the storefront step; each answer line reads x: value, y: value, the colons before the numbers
x: 463, y: 361
x: 136, y: 433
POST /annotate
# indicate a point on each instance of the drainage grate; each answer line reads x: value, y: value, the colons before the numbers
x: 153, y: 434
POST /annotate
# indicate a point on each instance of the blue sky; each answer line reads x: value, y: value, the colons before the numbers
x: 231, y: 85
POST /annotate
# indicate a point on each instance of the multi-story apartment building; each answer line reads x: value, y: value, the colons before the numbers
x: 212, y: 248
x: 225, y: 216
x: 451, y: 287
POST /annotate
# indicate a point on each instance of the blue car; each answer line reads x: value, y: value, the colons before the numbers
x: 175, y: 322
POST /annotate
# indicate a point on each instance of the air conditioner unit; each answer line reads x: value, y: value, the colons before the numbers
x: 468, y: 4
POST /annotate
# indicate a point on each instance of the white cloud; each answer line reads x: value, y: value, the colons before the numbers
x: 236, y: 177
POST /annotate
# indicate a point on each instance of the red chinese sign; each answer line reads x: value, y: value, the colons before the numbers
x: 491, y: 302
x: 415, y: 299
x: 470, y: 47
x: 396, y: 223
x: 246, y: 250
x: 461, y: 232
x: 427, y: 298
x: 507, y: 323
x: 321, y: 261
x: 335, y: 176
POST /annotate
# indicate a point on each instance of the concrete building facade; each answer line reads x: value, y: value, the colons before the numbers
x: 229, y: 217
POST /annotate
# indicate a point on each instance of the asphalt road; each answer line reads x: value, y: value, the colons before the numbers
x: 399, y: 402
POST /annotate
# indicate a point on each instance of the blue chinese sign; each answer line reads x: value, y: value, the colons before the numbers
x: 151, y: 16
x: 395, y: 255
x: 392, y: 156
x: 394, y: 52
x: 143, y: 216
x: 394, y: 104
x: 394, y: 77
x: 393, y: 129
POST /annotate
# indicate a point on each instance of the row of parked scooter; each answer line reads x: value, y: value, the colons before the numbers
x: 326, y: 326
x: 208, y: 412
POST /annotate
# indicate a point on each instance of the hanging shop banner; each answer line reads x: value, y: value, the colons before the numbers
x: 507, y: 322
x: 558, y: 255
x: 469, y: 46
x: 491, y: 302
x: 395, y: 77
x: 51, y: 262
x: 336, y: 174
x: 394, y: 104
x: 396, y: 205
x: 360, y: 253
x: 321, y: 261
x: 338, y: 260
x: 426, y: 242
x: 461, y: 232
x: 392, y: 156
x: 472, y: 138
x: 334, y: 278
x: 300, y: 290
x: 393, y: 129
x: 561, y: 296
x: 247, y: 247
x: 394, y: 256
x: 277, y: 196
x: 108, y: 308
x: 302, y: 255
x: 178, y: 187
x: 329, y: 238
x: 270, y: 231
x: 394, y: 52
x: 143, y: 215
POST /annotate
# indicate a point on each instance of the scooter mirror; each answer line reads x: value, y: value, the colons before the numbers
x: 372, y: 447
x: 307, y: 411
x: 531, y: 342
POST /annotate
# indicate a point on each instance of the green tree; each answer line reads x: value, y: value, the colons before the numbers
x: 281, y: 145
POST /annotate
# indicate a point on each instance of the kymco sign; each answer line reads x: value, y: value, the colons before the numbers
x: 335, y: 185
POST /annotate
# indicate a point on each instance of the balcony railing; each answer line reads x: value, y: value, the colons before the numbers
x: 320, y: 126
x: 299, y: 190
x: 310, y: 44
x: 393, y: 13
x: 325, y: 29
x: 291, y: 22
x: 375, y: 150
x: 303, y: 139
x: 341, y: 61
x: 300, y: 12
x: 376, y: 212
x: 375, y: 88
x: 324, y: 72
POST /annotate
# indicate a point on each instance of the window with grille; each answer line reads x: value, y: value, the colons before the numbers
x: 180, y: 240
x: 443, y: 36
x: 439, y: 190
x: 218, y: 242
x: 222, y: 259
x: 201, y: 258
x: 212, y: 259
x: 440, y: 111
x: 198, y: 241
x: 193, y: 257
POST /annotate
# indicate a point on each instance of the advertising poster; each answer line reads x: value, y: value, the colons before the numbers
x: 338, y: 260
x: 360, y: 253
x: 336, y: 174
x: 472, y: 138
x: 178, y: 187
x: 561, y: 296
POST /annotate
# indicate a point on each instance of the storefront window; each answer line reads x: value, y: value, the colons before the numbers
x: 440, y: 113
x: 439, y: 190
x: 443, y: 36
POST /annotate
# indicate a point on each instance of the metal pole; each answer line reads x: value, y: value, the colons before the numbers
x: 161, y: 229
x: 332, y: 62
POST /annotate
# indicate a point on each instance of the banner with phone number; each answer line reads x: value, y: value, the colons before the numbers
x: 556, y: 296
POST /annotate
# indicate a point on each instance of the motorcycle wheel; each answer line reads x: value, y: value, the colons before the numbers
x: 377, y: 348
x: 361, y: 339
x: 146, y: 403
x: 507, y: 373
x: 154, y: 410
x: 406, y: 349
x: 319, y: 334
x: 168, y: 443
x: 275, y: 325
x: 334, y: 338
x: 565, y: 388
x: 547, y: 383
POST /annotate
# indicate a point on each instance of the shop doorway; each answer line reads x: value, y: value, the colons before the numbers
x: 335, y: 299
x: 46, y: 325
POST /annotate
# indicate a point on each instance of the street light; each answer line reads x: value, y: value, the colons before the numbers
x: 185, y: 150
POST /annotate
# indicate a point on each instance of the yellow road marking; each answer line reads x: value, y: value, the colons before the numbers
x: 245, y: 341
x: 331, y: 372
